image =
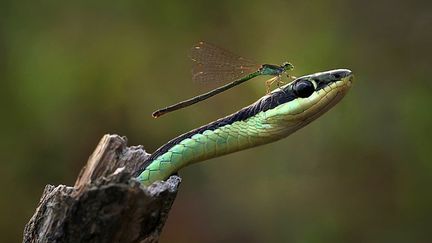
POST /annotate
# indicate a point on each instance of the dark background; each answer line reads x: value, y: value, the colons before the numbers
x: 73, y: 71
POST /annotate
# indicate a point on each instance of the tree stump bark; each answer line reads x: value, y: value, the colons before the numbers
x: 106, y: 204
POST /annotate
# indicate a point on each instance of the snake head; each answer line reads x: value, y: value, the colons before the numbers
x: 307, y: 97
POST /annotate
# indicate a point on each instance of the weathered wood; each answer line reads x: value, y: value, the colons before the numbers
x: 106, y: 204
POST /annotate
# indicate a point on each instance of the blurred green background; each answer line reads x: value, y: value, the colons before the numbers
x: 72, y: 71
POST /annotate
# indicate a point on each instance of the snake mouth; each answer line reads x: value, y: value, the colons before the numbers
x: 337, y: 91
x: 349, y: 79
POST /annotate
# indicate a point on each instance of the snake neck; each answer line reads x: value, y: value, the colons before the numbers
x: 254, y: 125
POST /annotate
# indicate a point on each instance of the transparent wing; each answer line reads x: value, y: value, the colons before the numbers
x: 214, y: 64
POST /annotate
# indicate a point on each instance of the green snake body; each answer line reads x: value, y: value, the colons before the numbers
x: 271, y: 118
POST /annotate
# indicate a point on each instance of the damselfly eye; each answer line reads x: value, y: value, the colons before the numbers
x: 303, y: 88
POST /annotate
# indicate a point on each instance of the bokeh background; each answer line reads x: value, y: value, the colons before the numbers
x: 72, y: 71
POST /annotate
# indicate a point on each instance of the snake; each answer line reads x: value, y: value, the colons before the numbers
x: 274, y: 116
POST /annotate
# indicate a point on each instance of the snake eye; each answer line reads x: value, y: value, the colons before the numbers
x: 303, y: 88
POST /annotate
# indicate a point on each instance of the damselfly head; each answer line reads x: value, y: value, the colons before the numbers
x: 286, y: 66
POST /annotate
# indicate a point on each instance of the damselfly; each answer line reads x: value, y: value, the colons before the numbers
x: 212, y: 63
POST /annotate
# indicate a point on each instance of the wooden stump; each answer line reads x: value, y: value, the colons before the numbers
x: 106, y: 204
